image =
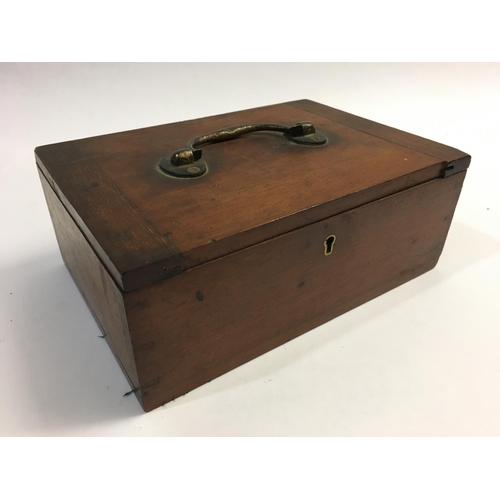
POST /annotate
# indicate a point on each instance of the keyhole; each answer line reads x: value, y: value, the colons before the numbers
x: 329, y: 242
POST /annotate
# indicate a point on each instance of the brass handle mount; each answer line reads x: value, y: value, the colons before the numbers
x: 187, y: 162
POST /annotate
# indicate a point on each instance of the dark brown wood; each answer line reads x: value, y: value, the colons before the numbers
x: 206, y: 321
x: 146, y: 226
x: 191, y: 278
x: 103, y: 297
x: 410, y: 141
x: 130, y: 247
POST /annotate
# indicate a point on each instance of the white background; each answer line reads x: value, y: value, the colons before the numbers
x: 422, y: 360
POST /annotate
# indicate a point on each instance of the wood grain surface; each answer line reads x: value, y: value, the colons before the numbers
x: 206, y: 321
x: 190, y: 278
x: 146, y: 226
x: 391, y: 134
x: 103, y: 297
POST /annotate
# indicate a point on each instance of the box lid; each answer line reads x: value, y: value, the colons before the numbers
x: 146, y: 224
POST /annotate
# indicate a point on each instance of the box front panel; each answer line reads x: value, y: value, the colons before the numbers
x: 204, y: 322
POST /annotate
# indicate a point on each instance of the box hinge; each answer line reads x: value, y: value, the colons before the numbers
x: 450, y: 169
x: 456, y: 166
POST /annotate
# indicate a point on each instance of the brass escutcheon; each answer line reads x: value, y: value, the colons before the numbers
x: 329, y: 242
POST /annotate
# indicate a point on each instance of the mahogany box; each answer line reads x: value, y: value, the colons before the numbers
x: 197, y: 253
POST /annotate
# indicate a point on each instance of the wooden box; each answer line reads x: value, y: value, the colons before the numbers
x: 193, y: 265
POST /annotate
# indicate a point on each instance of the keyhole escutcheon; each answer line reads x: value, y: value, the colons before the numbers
x: 329, y: 242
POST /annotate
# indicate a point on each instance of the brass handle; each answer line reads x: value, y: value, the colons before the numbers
x: 187, y: 162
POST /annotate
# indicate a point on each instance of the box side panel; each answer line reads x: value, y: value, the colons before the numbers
x: 206, y: 321
x: 100, y: 292
x: 129, y: 246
